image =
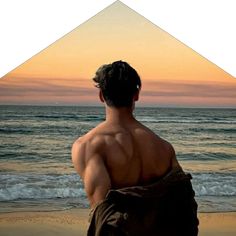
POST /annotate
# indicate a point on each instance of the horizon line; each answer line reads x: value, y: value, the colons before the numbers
x: 137, y: 106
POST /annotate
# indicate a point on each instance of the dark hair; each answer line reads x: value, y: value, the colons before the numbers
x: 118, y: 83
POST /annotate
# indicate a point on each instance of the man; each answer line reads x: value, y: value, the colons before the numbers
x: 121, y: 153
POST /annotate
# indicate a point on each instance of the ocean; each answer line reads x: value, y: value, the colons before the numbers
x: 36, y: 173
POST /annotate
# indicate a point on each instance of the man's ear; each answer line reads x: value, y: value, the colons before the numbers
x: 136, y: 96
x: 101, y: 96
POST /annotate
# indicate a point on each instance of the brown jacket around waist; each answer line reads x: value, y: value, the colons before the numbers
x: 166, y: 208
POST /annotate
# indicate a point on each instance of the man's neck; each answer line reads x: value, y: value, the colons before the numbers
x: 119, y: 115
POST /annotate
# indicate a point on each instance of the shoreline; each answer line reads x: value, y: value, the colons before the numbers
x: 75, y: 222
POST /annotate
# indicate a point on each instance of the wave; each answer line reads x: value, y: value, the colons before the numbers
x: 26, y: 186
x: 59, y: 116
x: 29, y: 186
x: 29, y: 192
x: 213, y: 130
x: 207, y: 156
x: 23, y: 191
x: 52, y: 117
x: 150, y: 118
x: 8, y: 130
x: 183, y: 121
x: 214, y: 184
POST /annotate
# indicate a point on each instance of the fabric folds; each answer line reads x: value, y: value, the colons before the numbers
x: 167, y: 207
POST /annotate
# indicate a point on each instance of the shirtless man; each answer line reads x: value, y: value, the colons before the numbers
x: 120, y: 153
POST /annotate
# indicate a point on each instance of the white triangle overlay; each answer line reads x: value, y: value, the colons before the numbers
x: 207, y: 26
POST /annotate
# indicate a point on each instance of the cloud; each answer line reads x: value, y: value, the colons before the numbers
x: 45, y: 91
x: 46, y: 87
x: 59, y: 89
x: 184, y: 89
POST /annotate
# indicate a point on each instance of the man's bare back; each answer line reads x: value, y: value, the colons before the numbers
x: 120, y: 152
x: 122, y: 155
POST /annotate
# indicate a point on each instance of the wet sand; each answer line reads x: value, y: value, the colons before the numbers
x: 75, y: 222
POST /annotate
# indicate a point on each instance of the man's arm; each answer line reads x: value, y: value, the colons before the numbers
x: 91, y: 168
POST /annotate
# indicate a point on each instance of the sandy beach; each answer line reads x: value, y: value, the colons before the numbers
x: 74, y: 222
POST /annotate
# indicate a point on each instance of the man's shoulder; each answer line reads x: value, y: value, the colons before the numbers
x: 149, y: 134
x: 168, y: 146
x: 90, y: 141
x: 78, y: 149
x: 87, y: 136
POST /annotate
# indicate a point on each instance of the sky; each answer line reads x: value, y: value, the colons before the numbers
x: 172, y: 74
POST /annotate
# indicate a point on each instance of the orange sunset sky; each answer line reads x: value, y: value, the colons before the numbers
x: 172, y: 74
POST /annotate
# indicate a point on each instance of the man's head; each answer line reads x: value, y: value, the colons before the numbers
x: 119, y: 84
